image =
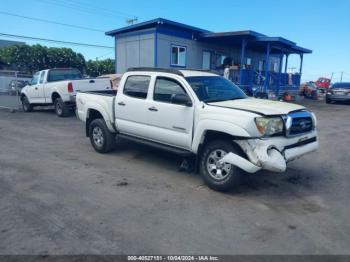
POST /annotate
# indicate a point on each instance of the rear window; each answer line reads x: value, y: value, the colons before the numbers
x: 63, y: 74
x: 137, y: 86
x: 341, y: 85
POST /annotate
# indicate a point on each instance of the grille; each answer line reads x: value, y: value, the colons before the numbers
x: 300, y: 125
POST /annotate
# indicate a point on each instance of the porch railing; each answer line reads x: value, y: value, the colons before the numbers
x: 276, y: 82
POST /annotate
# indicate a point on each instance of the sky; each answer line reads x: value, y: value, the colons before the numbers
x: 322, y: 26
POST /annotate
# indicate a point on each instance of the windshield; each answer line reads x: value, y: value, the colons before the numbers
x: 214, y: 88
x: 63, y: 74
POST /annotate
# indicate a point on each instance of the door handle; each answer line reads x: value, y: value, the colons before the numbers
x: 121, y: 103
x: 36, y: 88
x: 152, y: 109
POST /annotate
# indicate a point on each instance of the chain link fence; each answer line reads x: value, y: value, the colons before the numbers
x: 11, y: 84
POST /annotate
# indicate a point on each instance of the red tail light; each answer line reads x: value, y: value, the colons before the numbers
x: 70, y: 87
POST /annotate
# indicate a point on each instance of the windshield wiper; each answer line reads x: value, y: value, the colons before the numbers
x: 221, y: 100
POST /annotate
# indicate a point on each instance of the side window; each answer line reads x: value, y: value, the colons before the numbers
x: 42, y: 75
x: 35, y: 78
x: 137, y: 86
x: 165, y: 89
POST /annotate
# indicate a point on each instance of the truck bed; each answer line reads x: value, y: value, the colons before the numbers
x: 102, y: 92
x: 101, y: 101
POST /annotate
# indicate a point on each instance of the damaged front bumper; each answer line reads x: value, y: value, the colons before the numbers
x: 272, y: 153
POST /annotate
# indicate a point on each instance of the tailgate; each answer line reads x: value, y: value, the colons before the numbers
x: 86, y: 85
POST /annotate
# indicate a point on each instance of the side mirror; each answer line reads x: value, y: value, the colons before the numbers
x: 181, y: 99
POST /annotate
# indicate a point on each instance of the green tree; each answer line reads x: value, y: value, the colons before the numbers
x: 100, y: 67
x: 34, y: 58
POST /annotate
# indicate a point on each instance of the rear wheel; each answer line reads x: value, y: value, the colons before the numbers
x: 61, y: 109
x: 219, y: 176
x: 27, y: 107
x: 101, y: 138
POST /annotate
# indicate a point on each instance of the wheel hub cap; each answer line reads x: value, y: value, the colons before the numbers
x: 97, y: 136
x: 216, y: 169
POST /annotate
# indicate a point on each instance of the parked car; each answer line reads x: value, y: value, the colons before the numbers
x: 200, y: 115
x: 58, y: 87
x: 16, y: 86
x: 323, y: 84
x: 338, y: 92
x: 309, y: 90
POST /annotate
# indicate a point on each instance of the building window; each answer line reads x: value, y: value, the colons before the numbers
x: 178, y: 55
x: 137, y: 86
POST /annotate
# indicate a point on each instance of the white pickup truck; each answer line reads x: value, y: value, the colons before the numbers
x: 58, y: 87
x: 201, y: 115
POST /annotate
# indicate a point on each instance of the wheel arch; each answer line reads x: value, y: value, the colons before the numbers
x: 211, y: 135
x: 94, y: 113
x: 211, y: 128
x: 54, y: 96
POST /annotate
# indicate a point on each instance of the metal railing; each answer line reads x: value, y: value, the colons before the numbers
x: 11, y: 83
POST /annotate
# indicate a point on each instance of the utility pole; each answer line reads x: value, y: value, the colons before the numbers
x: 341, y: 76
x: 332, y: 76
x: 131, y: 21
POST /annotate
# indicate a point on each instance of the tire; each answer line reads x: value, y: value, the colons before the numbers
x: 328, y: 101
x: 101, y: 138
x: 27, y: 107
x: 230, y: 173
x: 61, y: 109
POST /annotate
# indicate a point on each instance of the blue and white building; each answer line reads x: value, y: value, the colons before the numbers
x: 255, y: 60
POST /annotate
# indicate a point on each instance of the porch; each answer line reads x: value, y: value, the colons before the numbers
x: 260, y: 63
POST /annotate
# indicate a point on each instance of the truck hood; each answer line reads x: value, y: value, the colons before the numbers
x: 259, y: 106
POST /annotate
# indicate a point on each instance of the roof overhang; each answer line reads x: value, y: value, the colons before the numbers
x: 154, y: 23
x: 254, y: 39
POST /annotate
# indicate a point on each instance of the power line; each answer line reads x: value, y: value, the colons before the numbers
x: 85, y: 9
x: 50, y: 22
x: 55, y: 41
x: 111, y: 11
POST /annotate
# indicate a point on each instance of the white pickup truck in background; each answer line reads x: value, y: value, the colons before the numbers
x: 58, y: 87
x: 202, y: 116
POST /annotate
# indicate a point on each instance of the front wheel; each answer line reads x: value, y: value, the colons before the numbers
x: 101, y: 138
x: 27, y: 107
x: 328, y: 101
x: 217, y: 176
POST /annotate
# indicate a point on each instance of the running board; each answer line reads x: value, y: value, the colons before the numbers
x: 172, y: 149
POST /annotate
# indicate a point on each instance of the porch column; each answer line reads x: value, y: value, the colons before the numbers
x: 280, y: 71
x: 301, y: 64
x: 243, y: 45
x: 267, y: 67
x: 286, y: 64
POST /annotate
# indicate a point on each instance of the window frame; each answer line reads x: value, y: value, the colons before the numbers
x: 171, y: 79
x: 42, y: 77
x: 149, y: 84
x: 37, y: 82
x: 171, y: 55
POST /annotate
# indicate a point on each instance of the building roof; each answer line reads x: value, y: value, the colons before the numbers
x: 255, y: 39
x: 153, y: 23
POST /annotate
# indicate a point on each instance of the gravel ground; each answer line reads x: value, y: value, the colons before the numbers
x: 58, y: 196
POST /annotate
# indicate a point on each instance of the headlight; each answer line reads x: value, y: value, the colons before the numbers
x: 269, y: 126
